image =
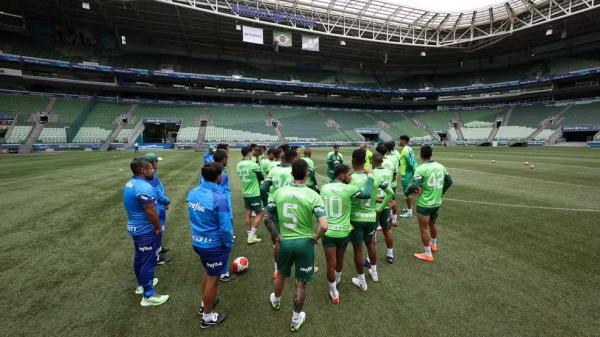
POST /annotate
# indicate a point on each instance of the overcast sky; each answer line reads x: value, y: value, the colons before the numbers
x: 446, y: 5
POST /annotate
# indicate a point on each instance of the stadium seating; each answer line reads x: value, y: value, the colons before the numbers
x: 438, y: 120
x: 100, y: 123
x: 304, y: 124
x: 510, y: 133
x: 123, y: 136
x: 582, y: 114
x: 188, y: 134
x: 18, y: 134
x: 400, y: 126
x: 250, y: 118
x: 22, y: 106
x: 350, y: 120
x: 532, y: 115
x: 476, y: 134
x: 544, y: 135
x: 218, y: 134
x: 52, y: 135
x: 479, y: 124
x: 487, y: 115
x: 561, y: 65
x: 68, y: 110
x: 190, y: 117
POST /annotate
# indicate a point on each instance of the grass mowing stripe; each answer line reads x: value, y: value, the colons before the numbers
x: 522, y: 206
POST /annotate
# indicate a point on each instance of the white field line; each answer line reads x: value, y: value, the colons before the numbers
x: 522, y: 206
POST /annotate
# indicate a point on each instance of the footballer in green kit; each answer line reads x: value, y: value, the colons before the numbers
x: 408, y: 165
x: 430, y: 182
x: 384, y: 219
x: 363, y: 217
x: 311, y: 182
x: 266, y: 162
x: 337, y: 198
x: 390, y: 162
x: 278, y: 177
x: 334, y: 158
x: 295, y: 205
x: 250, y: 176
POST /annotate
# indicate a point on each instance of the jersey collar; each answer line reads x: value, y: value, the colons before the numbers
x: 210, y: 185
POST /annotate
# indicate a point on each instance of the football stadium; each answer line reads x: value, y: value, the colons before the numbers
x: 275, y: 167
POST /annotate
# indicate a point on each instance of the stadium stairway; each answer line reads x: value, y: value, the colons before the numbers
x: 277, y: 129
x: 333, y: 124
x: 202, y: 132
x: 507, y: 116
x: 119, y: 126
x: 27, y: 147
x: 545, y: 124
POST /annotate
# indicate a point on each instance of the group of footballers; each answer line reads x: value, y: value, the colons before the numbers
x: 280, y: 189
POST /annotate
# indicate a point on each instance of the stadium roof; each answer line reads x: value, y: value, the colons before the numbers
x: 391, y: 23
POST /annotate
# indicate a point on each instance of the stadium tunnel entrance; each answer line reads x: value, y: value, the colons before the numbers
x: 160, y: 130
x: 580, y: 133
x: 370, y: 134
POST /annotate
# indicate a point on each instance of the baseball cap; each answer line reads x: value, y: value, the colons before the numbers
x: 151, y: 156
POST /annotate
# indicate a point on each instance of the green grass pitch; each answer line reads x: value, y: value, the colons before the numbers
x: 502, y: 270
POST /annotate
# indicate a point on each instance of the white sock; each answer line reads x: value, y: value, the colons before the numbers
x: 434, y: 241
x: 361, y: 277
x: 390, y: 252
x: 338, y: 276
x: 252, y: 232
x: 295, y: 316
x: 409, y: 211
x: 427, y: 250
x: 207, y: 317
x: 332, y: 287
x: 394, y: 217
x: 275, y: 266
x: 374, y: 268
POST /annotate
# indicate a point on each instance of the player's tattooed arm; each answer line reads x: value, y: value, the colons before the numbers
x: 413, y: 185
x: 447, y: 183
x: 300, y: 295
x: 365, y: 192
x: 259, y: 175
x: 264, y: 190
x: 271, y: 212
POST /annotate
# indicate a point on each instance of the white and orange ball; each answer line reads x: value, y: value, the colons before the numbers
x: 240, y: 264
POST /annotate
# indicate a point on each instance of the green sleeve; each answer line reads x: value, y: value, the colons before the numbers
x: 264, y: 190
x: 365, y: 192
x: 413, y: 186
x: 447, y: 183
x: 389, y: 195
x: 318, y: 209
x: 313, y: 176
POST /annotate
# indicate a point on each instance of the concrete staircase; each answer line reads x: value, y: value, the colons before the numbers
x: 506, y: 118
x: 546, y: 123
x: 27, y: 147
x: 331, y: 123
x: 115, y: 132
x: 269, y: 122
x: 202, y: 133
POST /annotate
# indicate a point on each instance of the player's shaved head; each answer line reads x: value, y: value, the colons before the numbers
x: 211, y: 172
x: 377, y: 159
x: 290, y: 156
x: 426, y: 152
x: 359, y: 157
x: 307, y: 152
x: 381, y: 148
x: 299, y: 169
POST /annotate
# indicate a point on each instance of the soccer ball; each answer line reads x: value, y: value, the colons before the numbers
x: 493, y: 161
x: 470, y: 156
x: 526, y: 163
x: 239, y: 265
x: 532, y: 166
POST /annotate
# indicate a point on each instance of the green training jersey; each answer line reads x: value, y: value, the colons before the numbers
x: 247, y: 171
x: 279, y: 176
x: 337, y: 198
x: 295, y: 206
x: 333, y: 160
x: 264, y: 166
x: 386, y: 176
x: 430, y: 178
x: 368, y: 163
x: 390, y: 162
x: 273, y: 164
x: 408, y: 163
x: 311, y: 167
x: 365, y: 210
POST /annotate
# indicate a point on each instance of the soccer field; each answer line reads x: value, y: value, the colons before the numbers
x: 519, y: 254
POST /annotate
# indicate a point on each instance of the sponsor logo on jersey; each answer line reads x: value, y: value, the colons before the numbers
x: 214, y: 265
x: 195, y: 206
x: 145, y: 248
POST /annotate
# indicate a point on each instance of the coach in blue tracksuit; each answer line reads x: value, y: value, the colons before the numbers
x: 162, y: 201
x: 212, y: 237
x: 208, y: 156
x: 144, y: 228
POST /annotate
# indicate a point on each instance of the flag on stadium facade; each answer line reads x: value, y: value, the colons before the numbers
x: 252, y: 35
x: 283, y: 39
x: 310, y: 43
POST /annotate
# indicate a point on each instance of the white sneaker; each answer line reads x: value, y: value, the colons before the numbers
x: 295, y: 326
x: 362, y: 285
x: 154, y: 300
x: 274, y: 302
x: 140, y: 290
x: 374, y: 275
x: 406, y: 215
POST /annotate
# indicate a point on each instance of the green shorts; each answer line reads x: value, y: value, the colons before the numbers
x: 385, y: 219
x: 299, y: 253
x: 335, y: 242
x: 432, y: 212
x: 406, y: 180
x: 362, y: 232
x: 253, y: 204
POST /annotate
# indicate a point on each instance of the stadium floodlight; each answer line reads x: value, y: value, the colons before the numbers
x: 85, y: 5
x: 123, y: 40
x: 549, y: 32
x: 423, y: 53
